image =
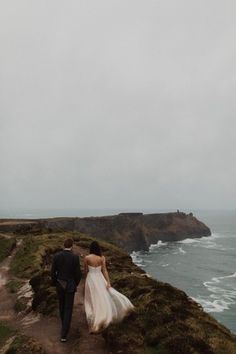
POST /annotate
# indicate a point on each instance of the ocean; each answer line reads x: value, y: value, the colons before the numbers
x: 205, y: 268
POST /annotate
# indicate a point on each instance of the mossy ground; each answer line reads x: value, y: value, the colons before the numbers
x: 13, y: 285
x: 165, y: 320
x: 6, y: 331
x: 24, y: 345
x: 6, y: 246
x: 20, y: 344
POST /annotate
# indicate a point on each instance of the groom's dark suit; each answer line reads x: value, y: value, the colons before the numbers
x: 66, y: 275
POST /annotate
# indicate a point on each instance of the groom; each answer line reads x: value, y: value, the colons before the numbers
x: 66, y: 275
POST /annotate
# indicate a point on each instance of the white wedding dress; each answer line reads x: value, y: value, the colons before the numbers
x: 103, y: 306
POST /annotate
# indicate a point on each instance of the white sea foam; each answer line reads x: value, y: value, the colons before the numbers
x: 212, y: 237
x: 180, y: 250
x: 215, y: 280
x: 223, y: 294
x: 137, y: 259
x: 201, y: 239
x: 134, y: 254
x: 157, y: 245
x: 205, y: 242
x: 189, y: 240
x: 212, y: 306
x: 213, y: 246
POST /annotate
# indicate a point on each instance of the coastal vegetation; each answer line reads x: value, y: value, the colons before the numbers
x: 12, y: 342
x: 6, y: 246
x: 129, y: 231
x: 165, y: 320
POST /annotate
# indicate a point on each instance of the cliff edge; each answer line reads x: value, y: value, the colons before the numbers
x: 165, y: 320
x: 130, y: 231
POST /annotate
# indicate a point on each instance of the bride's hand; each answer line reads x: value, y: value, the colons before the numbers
x: 108, y: 285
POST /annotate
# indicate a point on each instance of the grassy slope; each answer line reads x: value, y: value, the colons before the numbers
x: 165, y: 321
x: 25, y: 345
x: 6, y: 246
x: 5, y: 333
x: 20, y: 344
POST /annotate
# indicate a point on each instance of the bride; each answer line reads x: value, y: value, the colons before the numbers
x: 103, y: 304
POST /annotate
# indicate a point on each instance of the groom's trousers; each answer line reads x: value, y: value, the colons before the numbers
x: 66, y: 302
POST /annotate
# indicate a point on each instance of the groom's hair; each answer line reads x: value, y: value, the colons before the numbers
x: 68, y: 243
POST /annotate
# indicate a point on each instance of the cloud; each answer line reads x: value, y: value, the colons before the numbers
x: 117, y: 104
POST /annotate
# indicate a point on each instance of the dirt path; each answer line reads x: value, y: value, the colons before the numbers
x: 6, y: 304
x: 46, y: 330
x: 6, y: 299
x: 5, y: 235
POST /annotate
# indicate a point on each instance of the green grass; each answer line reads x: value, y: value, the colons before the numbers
x: 33, y: 261
x: 21, y: 344
x: 25, y: 345
x: 28, y: 260
x: 14, y: 285
x: 6, y: 331
x: 20, y: 305
x: 165, y: 320
x: 6, y: 246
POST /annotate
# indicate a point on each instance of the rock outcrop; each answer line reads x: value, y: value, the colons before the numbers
x: 130, y: 231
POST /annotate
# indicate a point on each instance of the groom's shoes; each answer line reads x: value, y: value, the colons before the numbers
x: 63, y: 340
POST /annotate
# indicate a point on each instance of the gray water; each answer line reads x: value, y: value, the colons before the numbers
x: 204, y: 268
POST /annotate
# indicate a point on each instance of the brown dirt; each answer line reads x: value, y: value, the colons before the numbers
x: 6, y: 305
x: 6, y: 299
x: 47, y: 332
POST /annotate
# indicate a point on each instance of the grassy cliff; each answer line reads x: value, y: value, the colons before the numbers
x: 165, y: 321
x: 12, y: 342
x: 129, y: 231
x: 6, y: 246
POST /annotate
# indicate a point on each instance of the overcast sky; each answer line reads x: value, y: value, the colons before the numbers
x: 118, y: 104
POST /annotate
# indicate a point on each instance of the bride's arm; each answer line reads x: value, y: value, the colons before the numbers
x: 105, y: 272
x: 85, y: 266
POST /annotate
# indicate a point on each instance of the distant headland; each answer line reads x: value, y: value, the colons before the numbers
x: 130, y: 231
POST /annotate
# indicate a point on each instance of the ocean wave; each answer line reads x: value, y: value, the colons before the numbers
x: 135, y: 256
x: 216, y: 280
x: 205, y: 242
x: 223, y: 294
x: 189, y: 240
x: 212, y: 306
x: 201, y: 239
x: 214, y: 246
x: 213, y: 236
x: 137, y: 259
x: 180, y: 250
x: 157, y: 245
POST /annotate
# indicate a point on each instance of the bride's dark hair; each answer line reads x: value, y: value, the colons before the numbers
x: 95, y: 248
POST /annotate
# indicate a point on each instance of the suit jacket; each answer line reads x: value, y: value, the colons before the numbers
x: 66, y: 267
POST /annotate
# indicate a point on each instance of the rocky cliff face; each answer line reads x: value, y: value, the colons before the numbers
x: 130, y: 231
